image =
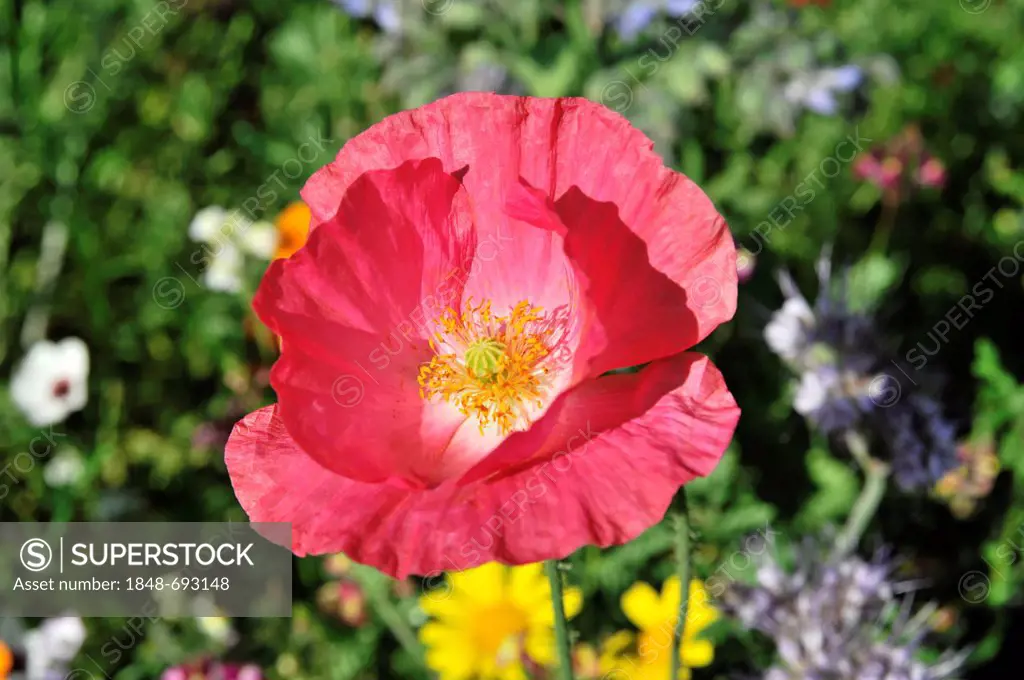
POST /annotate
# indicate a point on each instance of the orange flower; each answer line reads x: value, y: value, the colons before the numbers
x: 6, y: 660
x: 292, y: 229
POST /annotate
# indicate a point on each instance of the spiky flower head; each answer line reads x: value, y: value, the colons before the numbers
x: 847, y: 381
x: 837, y: 619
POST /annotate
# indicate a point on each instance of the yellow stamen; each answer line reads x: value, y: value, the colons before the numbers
x: 490, y: 367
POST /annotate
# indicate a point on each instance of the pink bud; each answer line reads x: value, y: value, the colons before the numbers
x: 931, y: 173
x: 351, y: 603
x: 746, y: 262
x: 867, y: 167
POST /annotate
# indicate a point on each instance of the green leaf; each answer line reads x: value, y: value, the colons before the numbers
x: 837, y: 489
x: 871, y: 279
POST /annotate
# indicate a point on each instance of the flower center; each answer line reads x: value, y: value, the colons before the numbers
x: 655, y: 646
x: 484, y: 357
x: 490, y: 367
x: 61, y: 388
x: 500, y: 637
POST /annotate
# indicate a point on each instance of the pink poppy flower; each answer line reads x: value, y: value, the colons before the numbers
x: 474, y: 270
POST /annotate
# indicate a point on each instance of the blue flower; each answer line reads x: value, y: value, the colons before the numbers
x: 384, y: 12
x: 634, y: 19
x: 356, y: 8
x: 816, y: 90
x: 639, y: 14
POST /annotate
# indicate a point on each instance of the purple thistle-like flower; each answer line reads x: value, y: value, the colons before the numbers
x: 845, y: 383
x: 922, y: 441
x: 835, y: 620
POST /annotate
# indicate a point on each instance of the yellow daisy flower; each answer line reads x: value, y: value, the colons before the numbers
x: 586, y: 662
x: 647, y: 655
x: 492, y: 623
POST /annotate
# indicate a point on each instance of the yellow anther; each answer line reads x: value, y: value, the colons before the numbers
x: 490, y: 367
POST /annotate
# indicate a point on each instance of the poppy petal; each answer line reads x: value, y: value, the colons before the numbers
x: 550, y: 143
x: 637, y: 313
x: 606, y: 493
x: 350, y: 309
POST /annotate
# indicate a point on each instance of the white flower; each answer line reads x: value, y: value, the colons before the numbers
x: 230, y: 236
x: 51, y: 646
x: 811, y: 393
x: 51, y: 382
x: 224, y: 273
x: 218, y: 629
x: 786, y: 333
x: 207, y: 223
x: 65, y: 469
x: 259, y: 239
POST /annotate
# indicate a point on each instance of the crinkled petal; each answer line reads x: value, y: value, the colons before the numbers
x: 553, y: 145
x: 350, y: 308
x: 636, y: 313
x: 675, y: 418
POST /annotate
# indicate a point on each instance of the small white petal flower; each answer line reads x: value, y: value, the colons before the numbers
x: 65, y: 469
x: 811, y: 393
x: 218, y: 629
x: 259, y: 239
x: 207, y: 223
x: 229, y: 237
x: 786, y: 333
x: 51, y: 382
x: 771, y: 577
x: 53, y: 645
x: 224, y: 274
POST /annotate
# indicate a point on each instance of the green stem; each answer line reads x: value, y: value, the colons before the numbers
x: 15, y: 45
x: 561, y: 624
x: 393, y: 619
x: 886, y: 223
x: 682, y: 527
x: 876, y: 477
x: 576, y: 26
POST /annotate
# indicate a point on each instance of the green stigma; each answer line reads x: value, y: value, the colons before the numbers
x: 484, y: 357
